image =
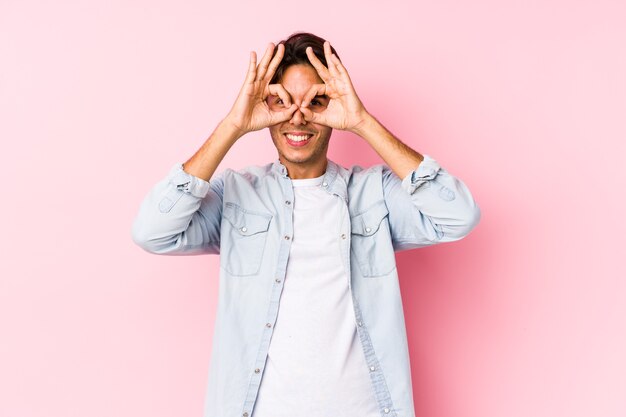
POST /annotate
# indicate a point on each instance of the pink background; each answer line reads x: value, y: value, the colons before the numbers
x: 524, y: 101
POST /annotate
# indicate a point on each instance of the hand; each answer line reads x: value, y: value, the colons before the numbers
x: 250, y: 111
x: 345, y: 110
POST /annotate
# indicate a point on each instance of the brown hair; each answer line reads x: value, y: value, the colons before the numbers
x: 295, y: 52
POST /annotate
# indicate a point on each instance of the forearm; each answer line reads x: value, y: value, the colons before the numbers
x: 206, y: 159
x: 399, y: 157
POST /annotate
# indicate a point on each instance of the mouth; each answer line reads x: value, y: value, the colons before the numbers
x: 298, y: 139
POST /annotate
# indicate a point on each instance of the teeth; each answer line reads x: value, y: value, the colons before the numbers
x: 298, y: 138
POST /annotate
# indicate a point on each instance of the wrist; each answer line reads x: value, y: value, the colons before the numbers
x: 366, y: 124
x: 229, y: 128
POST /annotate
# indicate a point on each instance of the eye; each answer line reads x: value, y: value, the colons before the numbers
x: 279, y: 101
x: 318, y: 103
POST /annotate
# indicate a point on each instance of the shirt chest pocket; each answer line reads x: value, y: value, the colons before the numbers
x: 244, y: 234
x: 371, y: 241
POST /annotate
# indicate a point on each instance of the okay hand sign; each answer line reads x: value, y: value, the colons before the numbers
x: 250, y: 111
x: 345, y: 110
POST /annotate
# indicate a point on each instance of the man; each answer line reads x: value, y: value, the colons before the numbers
x: 309, y: 321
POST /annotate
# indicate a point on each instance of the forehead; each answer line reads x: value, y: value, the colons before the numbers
x: 299, y: 78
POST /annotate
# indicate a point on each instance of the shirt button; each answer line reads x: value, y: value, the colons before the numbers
x: 288, y: 202
x: 287, y: 237
x: 372, y: 368
x: 367, y: 229
x: 245, y: 414
x: 343, y: 236
x: 277, y: 280
x: 386, y: 410
x: 268, y: 324
x: 244, y: 229
x: 324, y: 184
x: 360, y: 323
x: 257, y: 370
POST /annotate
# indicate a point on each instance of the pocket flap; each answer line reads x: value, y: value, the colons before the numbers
x: 368, y: 222
x: 246, y: 222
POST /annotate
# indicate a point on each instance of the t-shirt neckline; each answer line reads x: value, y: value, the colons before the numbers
x: 308, y: 182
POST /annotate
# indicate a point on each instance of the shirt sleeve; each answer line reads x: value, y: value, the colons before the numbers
x: 181, y: 215
x: 428, y: 206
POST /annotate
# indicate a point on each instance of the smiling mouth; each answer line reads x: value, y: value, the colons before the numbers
x: 298, y: 140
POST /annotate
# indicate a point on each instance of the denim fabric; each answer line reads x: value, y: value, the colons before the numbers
x: 246, y: 217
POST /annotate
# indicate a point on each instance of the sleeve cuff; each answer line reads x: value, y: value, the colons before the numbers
x: 187, y: 182
x: 426, y: 171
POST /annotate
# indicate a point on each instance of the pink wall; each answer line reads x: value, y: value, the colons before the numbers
x: 525, y: 101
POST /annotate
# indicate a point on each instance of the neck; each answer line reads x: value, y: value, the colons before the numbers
x: 300, y: 172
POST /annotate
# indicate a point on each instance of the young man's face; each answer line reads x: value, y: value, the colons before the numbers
x: 301, y: 145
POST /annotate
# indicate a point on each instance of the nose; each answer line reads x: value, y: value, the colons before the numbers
x: 297, y: 118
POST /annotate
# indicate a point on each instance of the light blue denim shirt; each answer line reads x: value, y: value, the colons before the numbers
x: 246, y: 217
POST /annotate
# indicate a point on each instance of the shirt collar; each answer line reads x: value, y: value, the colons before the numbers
x: 329, y: 183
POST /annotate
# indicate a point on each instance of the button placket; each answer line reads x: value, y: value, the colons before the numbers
x: 287, y: 231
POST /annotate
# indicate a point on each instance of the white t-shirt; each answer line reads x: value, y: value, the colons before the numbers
x: 315, y: 365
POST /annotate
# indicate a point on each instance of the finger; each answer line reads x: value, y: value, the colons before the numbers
x: 265, y: 62
x: 279, y: 90
x: 340, y: 68
x: 251, y: 69
x: 332, y: 68
x: 317, y: 64
x: 313, y: 117
x: 315, y: 90
x: 275, y: 62
x: 284, y: 115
